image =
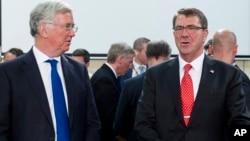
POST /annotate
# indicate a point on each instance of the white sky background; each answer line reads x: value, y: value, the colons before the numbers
x: 102, y: 23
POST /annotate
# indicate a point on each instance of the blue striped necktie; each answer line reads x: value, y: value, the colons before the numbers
x: 142, y: 69
x: 62, y: 121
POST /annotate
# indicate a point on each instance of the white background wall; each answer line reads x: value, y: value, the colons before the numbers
x: 103, y: 22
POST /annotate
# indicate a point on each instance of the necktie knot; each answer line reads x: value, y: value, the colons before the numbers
x: 187, y: 68
x: 142, y: 69
x: 52, y: 62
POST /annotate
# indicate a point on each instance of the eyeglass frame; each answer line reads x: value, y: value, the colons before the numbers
x: 190, y: 29
x: 67, y: 27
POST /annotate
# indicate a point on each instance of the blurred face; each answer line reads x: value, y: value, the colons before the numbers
x: 125, y: 64
x: 60, y: 34
x: 210, y: 50
x: 141, y: 55
x: 80, y: 59
x: 189, y: 37
x: 9, y: 56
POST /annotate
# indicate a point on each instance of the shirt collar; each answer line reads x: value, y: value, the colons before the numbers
x: 41, y: 57
x: 136, y: 65
x: 196, y: 64
x: 111, y: 69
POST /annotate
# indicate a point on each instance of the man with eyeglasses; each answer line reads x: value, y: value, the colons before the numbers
x: 67, y: 27
x: 200, y: 103
x: 44, y: 94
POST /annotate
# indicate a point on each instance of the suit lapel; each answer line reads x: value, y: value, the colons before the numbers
x: 69, y: 75
x: 31, y: 70
x: 206, y: 76
x: 175, y: 86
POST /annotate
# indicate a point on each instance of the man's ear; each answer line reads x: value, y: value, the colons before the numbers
x: 210, y: 49
x: 120, y: 59
x: 235, y: 49
x: 43, y: 31
x: 136, y: 52
x: 87, y: 64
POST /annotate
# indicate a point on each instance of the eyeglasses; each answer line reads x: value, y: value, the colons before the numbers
x: 189, y: 29
x: 67, y: 27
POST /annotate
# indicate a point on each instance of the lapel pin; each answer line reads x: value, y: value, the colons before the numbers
x: 212, y: 71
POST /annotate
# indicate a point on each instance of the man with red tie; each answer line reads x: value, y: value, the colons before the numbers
x: 197, y: 103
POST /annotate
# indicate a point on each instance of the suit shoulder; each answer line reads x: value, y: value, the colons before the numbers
x: 103, y: 73
x: 74, y: 63
x: 134, y: 79
x: 222, y: 69
x: 15, y: 63
x: 244, y: 76
x: 223, y: 65
x: 163, y: 66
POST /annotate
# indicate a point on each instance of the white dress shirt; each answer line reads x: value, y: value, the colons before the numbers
x: 45, y: 71
x: 136, y: 70
x: 195, y: 71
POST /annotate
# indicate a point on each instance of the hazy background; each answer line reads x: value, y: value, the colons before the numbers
x: 102, y: 23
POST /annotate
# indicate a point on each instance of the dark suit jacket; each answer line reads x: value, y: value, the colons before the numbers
x: 24, y: 107
x: 125, y: 115
x: 106, y: 92
x: 126, y: 76
x: 219, y: 103
x: 245, y: 85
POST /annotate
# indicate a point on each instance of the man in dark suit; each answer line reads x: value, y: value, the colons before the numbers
x: 82, y: 55
x: 139, y: 61
x: 157, y: 51
x: 215, y: 97
x: 225, y: 49
x: 208, y: 47
x: 106, y: 86
x: 27, y: 98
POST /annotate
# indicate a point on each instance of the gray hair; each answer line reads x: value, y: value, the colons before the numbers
x: 46, y: 12
x: 139, y: 42
x: 118, y: 49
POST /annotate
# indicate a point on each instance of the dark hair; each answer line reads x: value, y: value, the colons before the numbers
x: 192, y: 12
x: 82, y: 52
x: 158, y: 48
x: 15, y: 51
x: 209, y: 42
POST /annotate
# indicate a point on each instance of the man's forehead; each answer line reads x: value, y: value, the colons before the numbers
x: 183, y: 19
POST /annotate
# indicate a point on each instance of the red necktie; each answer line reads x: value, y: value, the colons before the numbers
x: 187, y: 94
